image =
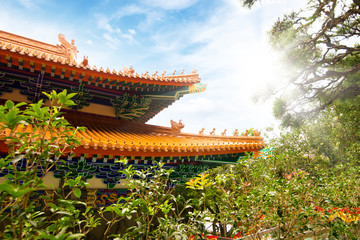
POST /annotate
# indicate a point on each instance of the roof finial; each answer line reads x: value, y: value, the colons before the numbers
x: 128, y: 71
x: 145, y: 75
x: 201, y: 132
x: 176, y: 127
x: 236, y: 132
x: 155, y: 74
x: 163, y: 74
x: 85, y: 61
x: 246, y: 133
x: 69, y: 49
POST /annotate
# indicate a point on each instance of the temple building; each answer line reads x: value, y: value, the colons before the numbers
x: 114, y: 106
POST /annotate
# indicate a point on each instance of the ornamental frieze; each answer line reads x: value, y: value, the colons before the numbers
x: 129, y: 107
x: 82, y: 97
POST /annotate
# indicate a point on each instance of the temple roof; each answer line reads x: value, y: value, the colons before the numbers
x: 143, y: 139
x: 128, y: 138
x: 64, y: 55
x: 29, y: 67
x: 113, y: 106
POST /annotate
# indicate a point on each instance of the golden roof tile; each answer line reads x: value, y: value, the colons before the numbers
x: 65, y: 53
x: 124, y: 138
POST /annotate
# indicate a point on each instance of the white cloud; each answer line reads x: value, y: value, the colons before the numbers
x: 228, y: 49
x: 27, y: 3
x: 128, y: 11
x: 232, y: 55
x: 108, y: 28
x: 111, y: 41
x: 101, y: 20
x: 170, y: 4
x: 31, y: 4
x: 128, y: 37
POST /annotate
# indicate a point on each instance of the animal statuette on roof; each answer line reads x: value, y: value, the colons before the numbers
x: 256, y: 132
x: 68, y: 49
x: 155, y: 74
x: 213, y: 132
x: 223, y: 133
x: 85, y: 61
x: 128, y: 71
x: 145, y: 75
x: 246, y: 133
x: 236, y: 132
x: 176, y: 127
x: 201, y: 132
x: 163, y: 74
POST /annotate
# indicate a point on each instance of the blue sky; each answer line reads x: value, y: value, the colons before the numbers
x: 226, y: 43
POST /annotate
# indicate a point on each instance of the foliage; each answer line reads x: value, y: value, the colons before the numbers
x: 152, y: 204
x: 248, y: 3
x: 37, y: 136
x: 306, y: 181
x: 266, y: 193
x: 321, y: 51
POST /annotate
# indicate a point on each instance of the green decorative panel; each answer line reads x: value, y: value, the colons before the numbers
x: 128, y: 108
x: 5, y: 83
x: 82, y: 97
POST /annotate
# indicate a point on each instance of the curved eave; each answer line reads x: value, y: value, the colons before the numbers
x: 22, y: 57
x: 126, y: 138
x: 137, y: 139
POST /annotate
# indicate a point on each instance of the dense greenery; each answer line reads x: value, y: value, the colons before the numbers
x: 320, y: 51
x: 32, y: 153
x: 307, y: 181
x: 38, y: 136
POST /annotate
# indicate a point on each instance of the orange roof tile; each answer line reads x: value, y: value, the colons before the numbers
x: 61, y: 56
x: 132, y: 138
x: 128, y: 138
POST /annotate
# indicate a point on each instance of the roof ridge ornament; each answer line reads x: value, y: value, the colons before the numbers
x: 85, y: 61
x: 176, y: 127
x: 236, y: 133
x: 128, y: 71
x: 201, y: 132
x: 70, y: 50
x: 257, y: 133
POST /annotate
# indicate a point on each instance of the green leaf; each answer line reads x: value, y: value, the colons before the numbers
x: 71, y: 95
x: 9, y: 104
x: 75, y: 236
x: 77, y: 192
x: 17, y: 158
x: 5, y: 187
x: 62, y: 212
x: 47, y: 95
